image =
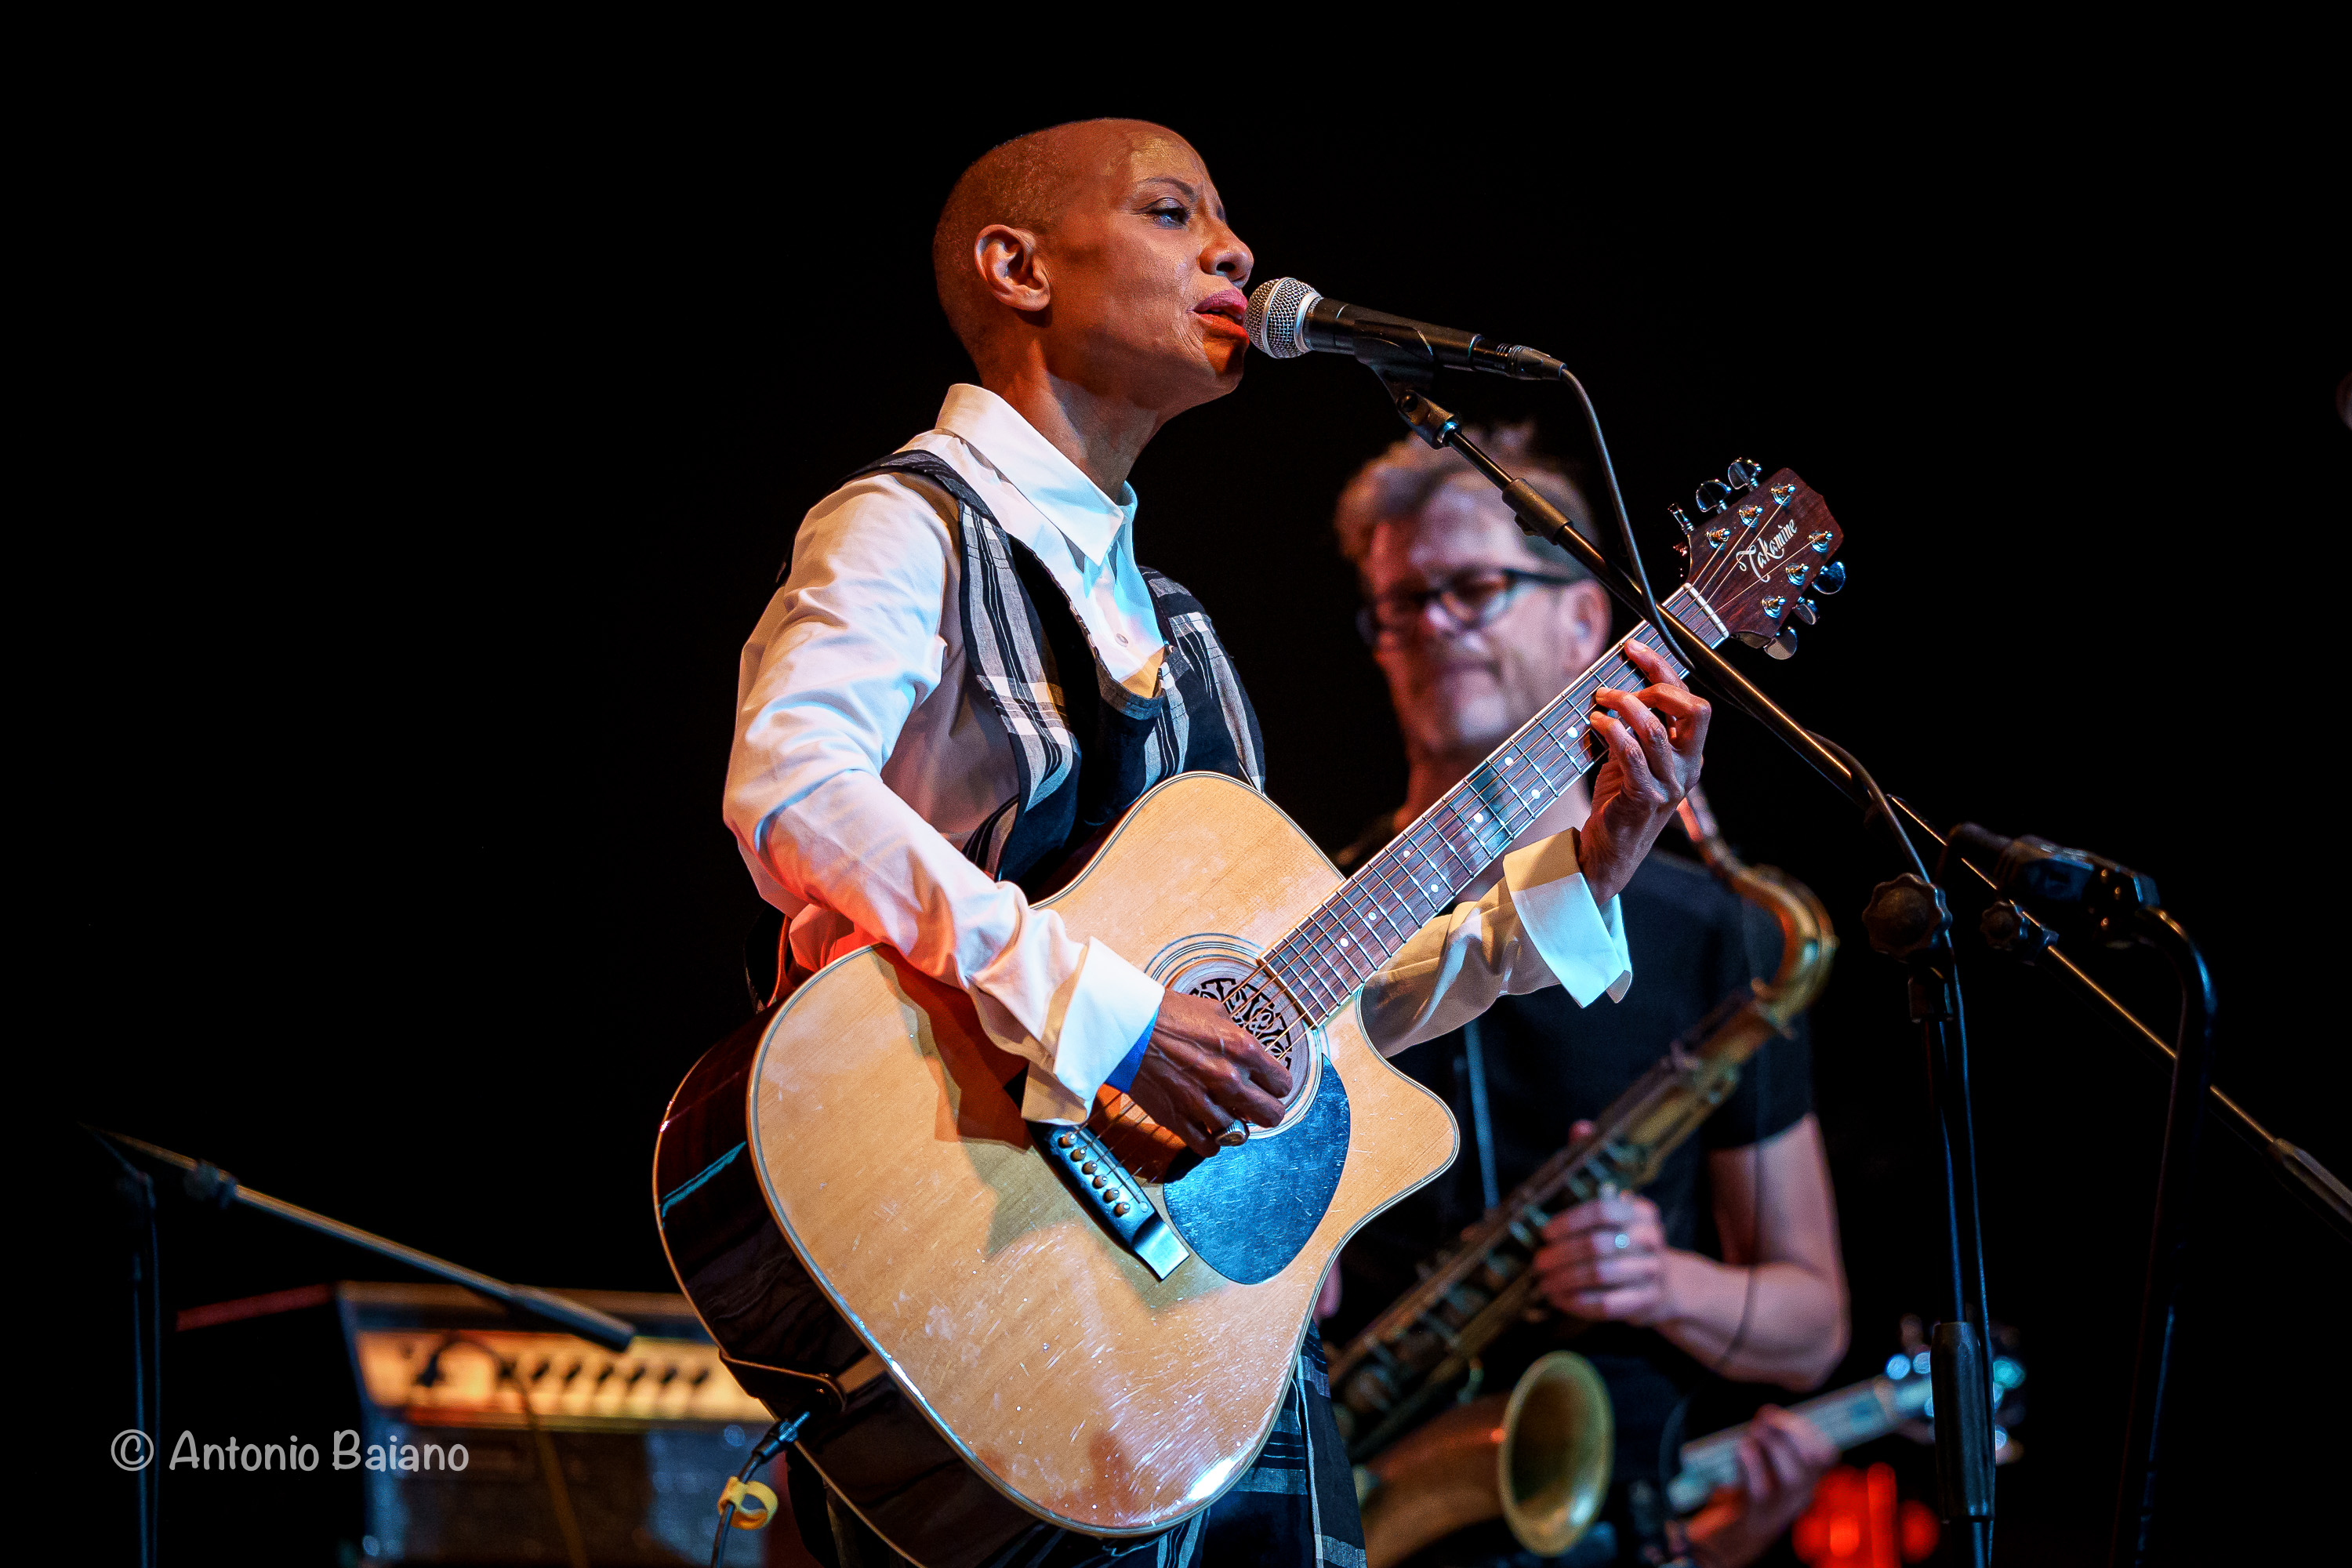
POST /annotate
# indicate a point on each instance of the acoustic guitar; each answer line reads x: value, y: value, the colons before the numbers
x: 1086, y: 1327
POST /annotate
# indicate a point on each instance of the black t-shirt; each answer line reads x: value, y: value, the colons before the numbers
x: 1549, y: 1063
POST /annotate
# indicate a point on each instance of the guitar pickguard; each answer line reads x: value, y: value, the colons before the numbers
x: 1254, y: 1207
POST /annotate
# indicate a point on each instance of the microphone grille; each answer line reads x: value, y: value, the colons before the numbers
x: 1277, y: 308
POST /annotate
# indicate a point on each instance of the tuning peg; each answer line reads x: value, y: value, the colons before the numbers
x: 1711, y: 496
x: 1829, y: 578
x: 1682, y: 518
x: 1743, y: 473
x: 1785, y: 645
x: 1806, y: 611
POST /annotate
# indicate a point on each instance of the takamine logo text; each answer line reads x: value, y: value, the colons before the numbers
x: 1759, y: 557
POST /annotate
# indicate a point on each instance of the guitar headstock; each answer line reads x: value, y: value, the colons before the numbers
x: 1757, y: 550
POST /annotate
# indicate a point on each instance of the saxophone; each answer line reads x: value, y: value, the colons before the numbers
x: 1540, y: 1455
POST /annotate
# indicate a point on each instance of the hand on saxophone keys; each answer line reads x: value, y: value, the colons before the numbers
x: 1606, y: 1258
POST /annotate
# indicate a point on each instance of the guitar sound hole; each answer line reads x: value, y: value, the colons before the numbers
x: 1261, y: 1011
x: 1225, y: 969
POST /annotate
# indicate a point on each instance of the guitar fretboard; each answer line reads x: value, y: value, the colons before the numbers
x: 1360, y: 927
x: 1848, y: 1417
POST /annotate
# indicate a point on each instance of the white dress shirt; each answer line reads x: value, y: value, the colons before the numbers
x: 861, y: 766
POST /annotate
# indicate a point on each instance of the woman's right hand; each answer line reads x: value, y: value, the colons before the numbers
x: 1203, y: 1072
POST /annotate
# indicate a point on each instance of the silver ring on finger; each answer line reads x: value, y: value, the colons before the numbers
x: 1622, y: 1241
x: 1236, y: 1135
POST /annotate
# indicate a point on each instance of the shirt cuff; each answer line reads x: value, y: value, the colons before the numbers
x: 1132, y: 1063
x: 1581, y: 943
x: 1111, y: 1009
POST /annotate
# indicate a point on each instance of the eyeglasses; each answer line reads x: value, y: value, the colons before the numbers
x: 1471, y: 598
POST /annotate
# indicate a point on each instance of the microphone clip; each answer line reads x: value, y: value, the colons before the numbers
x: 2073, y: 892
x: 1408, y: 388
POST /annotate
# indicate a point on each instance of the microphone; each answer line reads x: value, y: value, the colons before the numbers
x: 2073, y: 889
x: 1286, y: 319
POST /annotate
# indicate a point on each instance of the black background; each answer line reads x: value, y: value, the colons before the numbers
x: 420, y: 480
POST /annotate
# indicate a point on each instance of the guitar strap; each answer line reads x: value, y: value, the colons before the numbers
x: 1081, y: 762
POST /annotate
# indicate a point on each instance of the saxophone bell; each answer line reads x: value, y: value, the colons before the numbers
x: 1538, y: 1459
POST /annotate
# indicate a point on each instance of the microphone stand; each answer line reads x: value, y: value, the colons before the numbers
x: 2009, y: 929
x: 207, y: 1183
x: 1908, y: 920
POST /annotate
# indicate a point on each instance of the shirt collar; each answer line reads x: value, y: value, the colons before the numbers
x: 1046, y: 479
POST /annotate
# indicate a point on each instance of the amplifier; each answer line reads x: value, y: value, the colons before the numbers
x: 356, y: 1424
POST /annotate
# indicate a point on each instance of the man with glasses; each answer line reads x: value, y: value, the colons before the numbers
x: 1476, y: 627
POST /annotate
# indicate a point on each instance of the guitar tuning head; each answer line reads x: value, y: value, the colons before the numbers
x: 1829, y: 578
x: 1682, y: 518
x: 1743, y: 473
x: 1806, y: 611
x: 1711, y: 496
x: 1784, y: 646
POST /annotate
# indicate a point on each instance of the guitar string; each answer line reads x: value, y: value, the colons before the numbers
x: 1444, y: 828
x: 1381, y: 870
x: 1484, y: 784
x: 1319, y: 971
x: 1611, y: 670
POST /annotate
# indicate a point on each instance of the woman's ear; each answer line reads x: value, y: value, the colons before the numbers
x: 1010, y: 268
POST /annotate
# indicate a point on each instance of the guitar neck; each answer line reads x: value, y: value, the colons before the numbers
x: 1848, y: 1417
x: 1360, y: 927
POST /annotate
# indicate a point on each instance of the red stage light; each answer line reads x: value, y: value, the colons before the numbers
x: 1857, y: 1522
x: 1918, y: 1530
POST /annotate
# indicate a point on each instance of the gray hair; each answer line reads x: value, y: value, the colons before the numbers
x: 1400, y: 482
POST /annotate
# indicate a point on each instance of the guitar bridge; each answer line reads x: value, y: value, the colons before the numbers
x: 1109, y: 1192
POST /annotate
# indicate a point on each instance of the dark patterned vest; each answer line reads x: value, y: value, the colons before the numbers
x: 1086, y: 748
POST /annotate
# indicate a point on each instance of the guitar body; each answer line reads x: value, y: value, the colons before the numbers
x: 850, y: 1173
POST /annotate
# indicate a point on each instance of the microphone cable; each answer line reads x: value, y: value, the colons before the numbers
x: 1666, y: 630
x: 1632, y: 549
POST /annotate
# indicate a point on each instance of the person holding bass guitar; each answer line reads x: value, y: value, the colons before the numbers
x: 966, y: 675
x: 1474, y: 626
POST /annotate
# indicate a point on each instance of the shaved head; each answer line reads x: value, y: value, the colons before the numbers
x: 1091, y: 275
x: 1027, y: 182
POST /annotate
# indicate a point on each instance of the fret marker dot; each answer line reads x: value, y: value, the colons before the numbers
x: 1477, y: 817
x: 1343, y: 941
x: 1433, y: 887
